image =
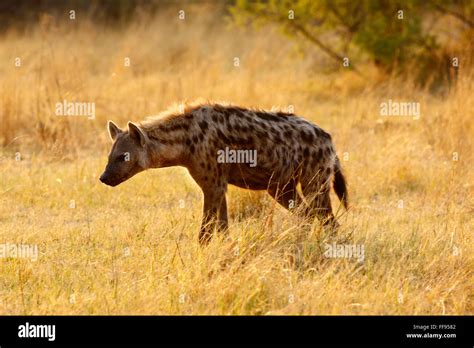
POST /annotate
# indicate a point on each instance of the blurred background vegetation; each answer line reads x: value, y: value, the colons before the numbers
x: 392, y: 34
x: 320, y: 55
x: 419, y: 38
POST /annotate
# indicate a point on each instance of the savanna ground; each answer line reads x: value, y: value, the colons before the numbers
x: 133, y: 249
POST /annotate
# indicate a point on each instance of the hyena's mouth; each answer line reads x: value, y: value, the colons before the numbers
x: 112, y: 181
x: 113, y: 184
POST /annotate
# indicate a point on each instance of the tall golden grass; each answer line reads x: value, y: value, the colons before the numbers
x: 133, y: 249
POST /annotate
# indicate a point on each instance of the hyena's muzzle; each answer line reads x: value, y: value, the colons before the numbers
x: 110, y: 179
x: 118, y: 171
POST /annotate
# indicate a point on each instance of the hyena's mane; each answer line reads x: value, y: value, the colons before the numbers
x: 173, y: 113
x: 179, y: 112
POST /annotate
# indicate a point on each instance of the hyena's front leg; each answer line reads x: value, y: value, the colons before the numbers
x: 214, y: 213
x: 223, y: 222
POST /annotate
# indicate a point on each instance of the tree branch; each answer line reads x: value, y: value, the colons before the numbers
x: 306, y: 34
x: 452, y: 13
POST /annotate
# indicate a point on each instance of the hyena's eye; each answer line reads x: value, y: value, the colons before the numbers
x: 123, y: 157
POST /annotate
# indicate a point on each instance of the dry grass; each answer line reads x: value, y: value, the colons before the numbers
x: 133, y: 249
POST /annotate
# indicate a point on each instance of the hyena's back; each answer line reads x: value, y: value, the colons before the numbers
x: 287, y: 146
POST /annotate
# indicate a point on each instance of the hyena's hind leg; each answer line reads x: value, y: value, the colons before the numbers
x: 317, y: 199
x: 285, y: 194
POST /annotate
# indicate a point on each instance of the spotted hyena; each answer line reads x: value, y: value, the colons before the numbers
x: 221, y: 145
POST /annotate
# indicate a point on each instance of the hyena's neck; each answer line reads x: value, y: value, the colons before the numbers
x: 169, y: 144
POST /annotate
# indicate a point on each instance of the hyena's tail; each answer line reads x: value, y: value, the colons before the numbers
x: 339, y: 184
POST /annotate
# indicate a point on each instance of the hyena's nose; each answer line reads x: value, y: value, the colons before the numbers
x: 103, y: 178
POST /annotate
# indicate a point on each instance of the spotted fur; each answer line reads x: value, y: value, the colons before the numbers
x: 290, y: 151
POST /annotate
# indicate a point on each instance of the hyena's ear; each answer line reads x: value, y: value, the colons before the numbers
x: 137, y: 134
x: 114, y: 131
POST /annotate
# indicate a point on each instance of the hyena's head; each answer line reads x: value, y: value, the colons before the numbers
x: 128, y: 155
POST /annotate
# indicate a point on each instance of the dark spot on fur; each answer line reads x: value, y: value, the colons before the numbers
x: 325, y: 135
x: 222, y: 136
x: 168, y: 141
x: 175, y: 127
x: 242, y: 128
x: 316, y: 131
x: 277, y: 138
x: 269, y: 152
x: 307, y: 137
x: 306, y: 152
x: 260, y: 134
x: 236, y: 111
x: 327, y: 152
x: 288, y: 133
x: 203, y: 125
x: 269, y: 117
